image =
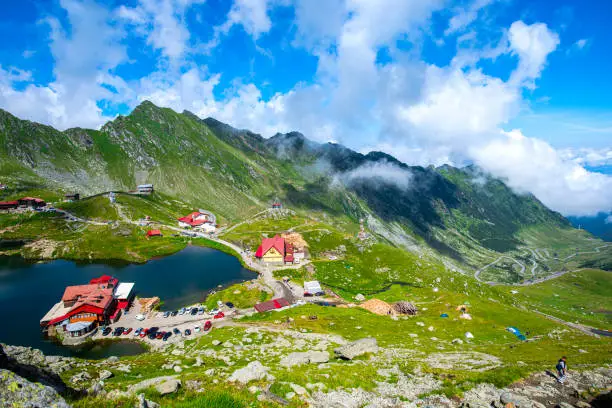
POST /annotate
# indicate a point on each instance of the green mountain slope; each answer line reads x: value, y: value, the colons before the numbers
x: 458, y: 214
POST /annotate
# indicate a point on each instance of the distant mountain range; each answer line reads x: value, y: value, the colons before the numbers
x: 600, y: 225
x: 233, y: 172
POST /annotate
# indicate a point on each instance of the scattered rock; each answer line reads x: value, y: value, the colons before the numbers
x: 582, y: 404
x: 298, y: 389
x: 253, y: 371
x: 312, y: 357
x: 104, y: 375
x: 457, y: 341
x: 290, y: 395
x: 145, y: 403
x: 168, y: 387
x: 469, y: 335
x: 178, y: 369
x: 96, y: 388
x: 80, y: 377
x: 112, y: 359
x: 359, y: 297
x: 357, y: 348
x: 198, y: 362
x: 124, y: 367
x: 215, y: 342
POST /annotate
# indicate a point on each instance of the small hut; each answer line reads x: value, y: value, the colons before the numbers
x: 378, y: 307
x: 406, y: 308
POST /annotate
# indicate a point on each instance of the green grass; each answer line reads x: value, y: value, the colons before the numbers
x: 247, y: 297
x: 582, y: 297
x: 97, y: 208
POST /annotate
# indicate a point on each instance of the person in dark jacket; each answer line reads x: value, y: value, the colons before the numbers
x: 561, y: 369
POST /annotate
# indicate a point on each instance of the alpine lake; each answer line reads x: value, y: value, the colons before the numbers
x: 28, y: 290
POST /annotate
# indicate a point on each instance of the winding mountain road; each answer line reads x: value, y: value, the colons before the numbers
x: 477, y: 274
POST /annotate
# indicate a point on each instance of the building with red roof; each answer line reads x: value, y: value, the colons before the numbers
x: 94, y: 303
x: 271, y: 305
x: 198, y: 220
x: 154, y: 233
x: 32, y: 202
x: 8, y: 205
x: 275, y: 250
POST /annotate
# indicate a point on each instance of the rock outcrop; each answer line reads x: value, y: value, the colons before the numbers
x: 307, y: 357
x: 16, y: 391
x: 252, y: 372
x: 357, y: 348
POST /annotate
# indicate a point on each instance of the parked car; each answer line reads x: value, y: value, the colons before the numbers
x: 194, y: 311
x: 139, y: 317
x: 176, y: 331
x: 137, y: 332
x: 201, y: 310
x: 159, y: 335
x: 229, y: 304
x: 106, y: 331
x: 144, y: 333
x: 187, y: 332
x: 219, y: 315
x: 207, y: 325
x: 127, y: 331
x: 174, y: 313
x: 196, y: 329
x: 152, y: 335
x: 213, y: 312
x: 182, y: 311
x: 153, y: 329
x: 166, y: 314
x: 118, y: 331
x: 167, y: 336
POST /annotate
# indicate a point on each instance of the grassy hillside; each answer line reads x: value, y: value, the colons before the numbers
x: 465, y: 218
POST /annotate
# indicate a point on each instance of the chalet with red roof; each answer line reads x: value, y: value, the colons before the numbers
x: 275, y: 250
x: 84, y: 307
x: 31, y: 202
x: 154, y: 233
x: 198, y: 220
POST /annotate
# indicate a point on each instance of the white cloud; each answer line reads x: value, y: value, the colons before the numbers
x: 377, y: 174
x: 162, y: 22
x: 580, y: 44
x: 588, y: 156
x: 464, y: 16
x: 532, y: 44
x: 532, y: 165
x: 84, y: 57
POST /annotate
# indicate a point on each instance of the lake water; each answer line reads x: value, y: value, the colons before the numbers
x: 27, y: 292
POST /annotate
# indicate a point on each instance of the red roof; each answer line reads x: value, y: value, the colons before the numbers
x: 102, y: 279
x: 154, y: 233
x: 271, y: 305
x: 268, y: 243
x: 9, y: 202
x: 88, y: 299
x: 36, y: 200
x: 191, y: 219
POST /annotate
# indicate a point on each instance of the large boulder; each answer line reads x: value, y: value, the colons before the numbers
x: 357, y: 348
x: 105, y: 375
x: 252, y: 372
x: 16, y: 391
x: 145, y: 403
x: 168, y: 387
x: 307, y: 357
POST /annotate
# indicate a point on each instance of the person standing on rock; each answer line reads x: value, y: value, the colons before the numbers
x: 561, y: 369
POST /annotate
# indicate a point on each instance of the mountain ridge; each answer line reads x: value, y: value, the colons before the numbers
x: 463, y: 214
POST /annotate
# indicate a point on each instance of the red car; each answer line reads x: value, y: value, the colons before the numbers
x: 144, y: 333
x: 159, y: 335
x: 207, y: 325
x: 219, y: 315
x: 127, y: 331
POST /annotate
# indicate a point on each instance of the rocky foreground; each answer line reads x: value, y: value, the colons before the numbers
x: 30, y: 379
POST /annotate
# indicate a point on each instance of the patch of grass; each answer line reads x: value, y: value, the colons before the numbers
x: 245, y: 298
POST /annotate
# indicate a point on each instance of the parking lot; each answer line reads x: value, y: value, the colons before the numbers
x: 167, y: 324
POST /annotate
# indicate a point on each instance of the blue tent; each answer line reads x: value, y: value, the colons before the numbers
x: 444, y: 315
x: 516, y: 332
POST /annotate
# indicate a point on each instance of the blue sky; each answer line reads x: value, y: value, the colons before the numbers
x: 520, y: 88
